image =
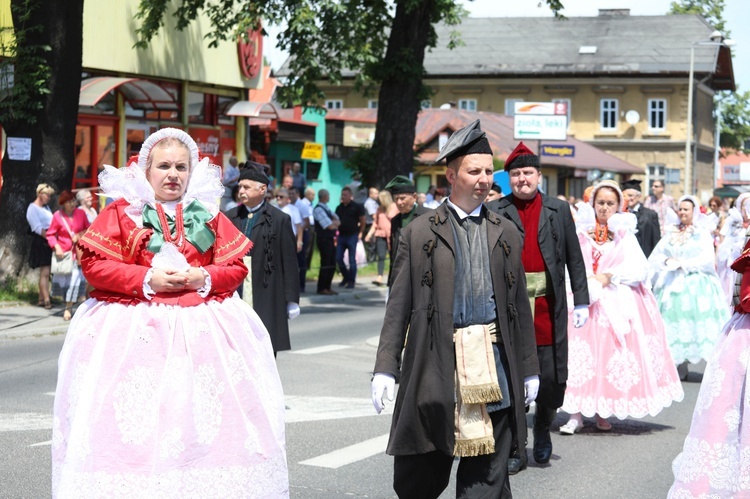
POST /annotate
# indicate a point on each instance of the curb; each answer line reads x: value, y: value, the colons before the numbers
x: 21, y: 320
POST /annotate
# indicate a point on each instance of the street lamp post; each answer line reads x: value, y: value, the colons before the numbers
x: 688, y: 177
x: 716, y: 39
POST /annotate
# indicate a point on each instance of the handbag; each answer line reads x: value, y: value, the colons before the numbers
x: 63, y: 265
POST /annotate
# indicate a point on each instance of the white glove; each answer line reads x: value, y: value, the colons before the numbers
x: 292, y: 310
x: 672, y: 264
x: 382, y: 384
x: 580, y: 315
x: 531, y: 386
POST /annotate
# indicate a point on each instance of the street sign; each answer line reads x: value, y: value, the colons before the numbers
x: 560, y: 151
x: 312, y: 150
x: 540, y: 120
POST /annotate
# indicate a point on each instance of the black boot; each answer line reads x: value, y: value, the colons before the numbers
x: 542, y: 440
x: 517, y: 461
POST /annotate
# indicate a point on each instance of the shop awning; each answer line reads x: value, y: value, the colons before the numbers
x: 250, y: 109
x: 731, y: 191
x: 140, y: 94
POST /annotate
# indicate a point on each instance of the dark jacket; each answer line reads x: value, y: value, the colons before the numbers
x: 275, y: 271
x: 421, y: 302
x: 396, y: 234
x: 649, y: 232
x: 560, y: 247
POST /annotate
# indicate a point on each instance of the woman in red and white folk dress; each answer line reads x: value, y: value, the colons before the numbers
x: 167, y: 384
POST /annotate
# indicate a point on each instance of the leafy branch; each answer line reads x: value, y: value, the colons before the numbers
x: 24, y: 69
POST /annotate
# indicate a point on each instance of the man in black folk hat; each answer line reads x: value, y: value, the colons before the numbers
x: 469, y: 363
x: 272, y: 284
x: 649, y: 231
x: 550, y: 244
x: 404, y: 194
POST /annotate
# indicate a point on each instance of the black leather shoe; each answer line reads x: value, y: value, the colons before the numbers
x: 517, y: 463
x: 542, y: 440
x: 542, y: 445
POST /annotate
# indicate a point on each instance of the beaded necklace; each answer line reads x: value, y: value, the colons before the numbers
x: 179, y: 235
x: 601, y: 234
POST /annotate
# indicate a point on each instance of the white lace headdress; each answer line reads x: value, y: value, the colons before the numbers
x: 130, y: 182
x: 700, y: 220
x: 619, y: 223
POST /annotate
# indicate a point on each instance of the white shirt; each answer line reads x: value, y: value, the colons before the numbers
x: 461, y: 213
x: 39, y: 218
x: 293, y: 212
x: 305, y: 210
x: 307, y: 203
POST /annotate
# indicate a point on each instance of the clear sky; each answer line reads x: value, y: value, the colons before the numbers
x: 737, y: 13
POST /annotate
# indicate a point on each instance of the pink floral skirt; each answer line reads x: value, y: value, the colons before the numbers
x: 715, y: 460
x: 157, y: 400
x: 619, y: 362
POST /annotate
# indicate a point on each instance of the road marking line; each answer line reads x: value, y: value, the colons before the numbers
x: 25, y: 421
x: 48, y: 442
x: 323, y: 349
x: 51, y: 394
x: 302, y: 408
x: 351, y: 454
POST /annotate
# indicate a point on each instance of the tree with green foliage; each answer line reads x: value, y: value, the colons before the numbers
x: 711, y: 10
x: 40, y: 77
x: 734, y: 107
x: 735, y: 120
x: 382, y: 42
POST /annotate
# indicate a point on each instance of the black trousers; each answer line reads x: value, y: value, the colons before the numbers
x: 327, y: 250
x: 302, y: 259
x: 551, y: 393
x: 425, y: 476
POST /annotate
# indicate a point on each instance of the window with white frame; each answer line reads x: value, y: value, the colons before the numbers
x: 425, y: 104
x: 608, y: 109
x: 568, y: 103
x: 467, y: 104
x: 334, y: 104
x: 656, y: 172
x: 372, y: 104
x: 657, y: 114
x: 510, y: 106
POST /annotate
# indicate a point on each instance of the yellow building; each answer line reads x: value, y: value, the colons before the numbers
x: 625, y: 80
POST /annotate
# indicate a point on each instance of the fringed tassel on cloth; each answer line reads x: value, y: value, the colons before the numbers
x: 473, y: 430
x: 479, y: 394
x: 476, y: 385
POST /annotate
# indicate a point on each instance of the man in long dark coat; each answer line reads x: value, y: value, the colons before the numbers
x: 274, y: 272
x: 404, y: 194
x: 550, y: 244
x: 458, y: 270
x: 649, y: 231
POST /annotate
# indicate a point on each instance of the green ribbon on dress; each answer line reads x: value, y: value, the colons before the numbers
x: 195, y: 218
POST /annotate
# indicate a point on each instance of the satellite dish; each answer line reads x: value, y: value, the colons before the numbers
x: 593, y: 175
x: 632, y: 117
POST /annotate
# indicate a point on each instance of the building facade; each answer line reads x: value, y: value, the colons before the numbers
x: 624, y: 79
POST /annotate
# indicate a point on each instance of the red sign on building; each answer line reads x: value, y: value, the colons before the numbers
x: 209, y: 141
x: 251, y: 52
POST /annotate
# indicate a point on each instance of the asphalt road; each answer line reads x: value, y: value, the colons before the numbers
x: 335, y: 441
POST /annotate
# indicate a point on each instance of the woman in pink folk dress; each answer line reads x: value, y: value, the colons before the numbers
x: 715, y: 460
x: 618, y: 362
x: 167, y: 385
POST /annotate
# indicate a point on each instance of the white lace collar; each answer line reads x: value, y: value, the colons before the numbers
x: 130, y: 183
